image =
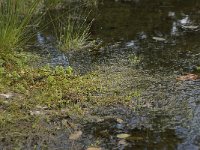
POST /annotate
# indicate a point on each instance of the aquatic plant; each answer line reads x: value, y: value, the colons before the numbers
x: 73, y: 34
x: 15, y: 22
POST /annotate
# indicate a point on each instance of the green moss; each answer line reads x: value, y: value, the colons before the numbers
x: 45, y: 96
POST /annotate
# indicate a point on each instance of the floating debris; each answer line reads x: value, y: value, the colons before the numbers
x: 159, y: 39
x: 123, y: 136
x: 190, y: 27
x: 188, y: 77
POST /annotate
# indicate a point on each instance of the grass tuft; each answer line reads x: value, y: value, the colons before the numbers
x: 15, y: 19
x: 73, y: 32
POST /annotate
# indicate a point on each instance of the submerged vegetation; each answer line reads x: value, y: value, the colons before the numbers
x: 73, y: 31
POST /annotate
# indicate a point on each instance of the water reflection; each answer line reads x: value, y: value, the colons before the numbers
x: 40, y: 38
x: 134, y: 22
x: 130, y: 44
x: 53, y: 56
x: 174, y: 30
x: 185, y: 20
x: 140, y: 138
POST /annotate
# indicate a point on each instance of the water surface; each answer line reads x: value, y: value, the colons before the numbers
x: 149, y: 43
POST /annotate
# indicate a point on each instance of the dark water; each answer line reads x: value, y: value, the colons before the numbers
x: 135, y: 23
x: 127, y: 32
